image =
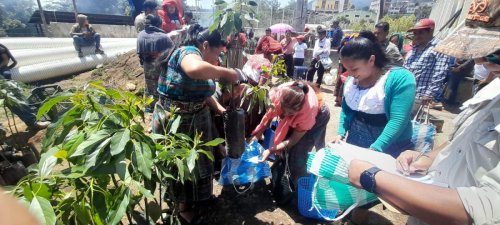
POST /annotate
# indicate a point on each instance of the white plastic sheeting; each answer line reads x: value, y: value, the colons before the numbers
x: 43, y: 42
x: 44, y: 58
x: 27, y: 57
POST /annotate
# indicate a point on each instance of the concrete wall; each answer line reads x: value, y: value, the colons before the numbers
x: 106, y: 31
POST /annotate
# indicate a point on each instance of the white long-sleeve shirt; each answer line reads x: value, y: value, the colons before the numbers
x: 322, y: 48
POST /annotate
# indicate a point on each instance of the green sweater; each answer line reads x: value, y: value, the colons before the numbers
x: 399, y: 97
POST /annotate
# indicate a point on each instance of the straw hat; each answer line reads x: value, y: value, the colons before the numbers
x: 479, y: 37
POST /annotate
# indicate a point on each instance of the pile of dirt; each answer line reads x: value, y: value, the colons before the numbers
x: 120, y: 73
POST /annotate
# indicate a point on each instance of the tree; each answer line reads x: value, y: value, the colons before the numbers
x: 14, y: 14
x: 57, y: 5
x: 423, y: 12
x: 401, y: 24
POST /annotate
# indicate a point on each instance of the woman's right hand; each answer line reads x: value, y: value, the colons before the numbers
x: 407, y: 163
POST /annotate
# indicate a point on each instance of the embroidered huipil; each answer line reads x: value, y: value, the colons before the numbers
x: 177, y: 85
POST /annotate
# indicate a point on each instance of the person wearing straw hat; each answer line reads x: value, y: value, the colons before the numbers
x: 468, y: 165
x: 84, y: 35
x: 429, y: 67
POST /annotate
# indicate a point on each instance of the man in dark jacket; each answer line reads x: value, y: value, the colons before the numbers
x: 151, y: 42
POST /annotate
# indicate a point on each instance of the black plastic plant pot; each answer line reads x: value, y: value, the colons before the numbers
x: 12, y: 172
x: 234, y: 128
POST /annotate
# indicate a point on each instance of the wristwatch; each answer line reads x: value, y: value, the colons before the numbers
x: 367, y: 179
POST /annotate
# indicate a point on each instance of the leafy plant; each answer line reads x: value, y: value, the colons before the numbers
x: 12, y: 94
x: 109, y: 164
x: 229, y: 17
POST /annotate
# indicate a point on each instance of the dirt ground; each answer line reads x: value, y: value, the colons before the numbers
x: 255, y: 206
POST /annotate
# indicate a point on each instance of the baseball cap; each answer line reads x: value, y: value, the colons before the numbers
x: 423, y: 24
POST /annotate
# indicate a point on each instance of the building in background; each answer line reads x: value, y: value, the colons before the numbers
x: 334, y: 6
x: 400, y: 7
x: 356, y: 16
x: 375, y: 6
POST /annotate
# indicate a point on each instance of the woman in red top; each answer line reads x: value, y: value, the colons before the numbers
x: 302, y: 126
x: 172, y: 15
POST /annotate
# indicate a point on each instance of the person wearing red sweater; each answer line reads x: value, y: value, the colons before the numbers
x: 172, y: 15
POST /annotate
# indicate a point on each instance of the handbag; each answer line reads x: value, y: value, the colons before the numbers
x: 423, y: 130
x: 327, y: 62
x: 281, y: 184
x: 332, y: 190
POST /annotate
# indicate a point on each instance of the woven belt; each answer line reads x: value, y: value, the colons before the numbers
x: 183, y: 106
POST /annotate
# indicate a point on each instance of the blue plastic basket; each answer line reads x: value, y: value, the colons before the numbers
x: 305, y: 189
x: 299, y: 72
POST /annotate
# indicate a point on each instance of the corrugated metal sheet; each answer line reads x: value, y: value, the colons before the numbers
x: 444, y: 10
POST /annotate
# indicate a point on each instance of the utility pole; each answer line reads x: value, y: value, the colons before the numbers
x: 283, y: 16
x: 381, y: 10
x: 271, y: 21
x: 45, y: 29
x: 75, y: 10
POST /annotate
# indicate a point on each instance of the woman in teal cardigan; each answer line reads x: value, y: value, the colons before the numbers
x: 377, y: 102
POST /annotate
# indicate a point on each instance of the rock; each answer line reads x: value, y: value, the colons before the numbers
x: 130, y: 87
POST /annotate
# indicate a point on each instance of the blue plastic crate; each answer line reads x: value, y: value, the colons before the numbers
x: 299, y: 72
x: 305, y: 189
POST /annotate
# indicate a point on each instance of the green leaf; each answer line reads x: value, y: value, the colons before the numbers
x: 91, y: 159
x: 219, y: 2
x: 224, y: 20
x: 61, y: 154
x: 43, y: 211
x: 214, y: 142
x: 175, y: 124
x: 180, y: 167
x: 91, y: 142
x: 191, y: 160
x: 41, y: 190
x: 156, y: 137
x: 145, y: 192
x: 208, y: 154
x: 47, y: 161
x: 143, y: 158
x: 119, y: 141
x: 214, y: 25
x: 119, y: 210
x: 73, y: 143
x: 238, y: 24
x: 121, y: 167
x: 51, y: 102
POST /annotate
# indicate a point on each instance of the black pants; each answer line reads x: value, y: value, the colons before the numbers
x: 298, y: 61
x: 289, y: 65
x: 312, y: 70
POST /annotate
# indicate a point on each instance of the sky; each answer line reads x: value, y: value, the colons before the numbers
x: 208, y: 3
